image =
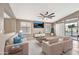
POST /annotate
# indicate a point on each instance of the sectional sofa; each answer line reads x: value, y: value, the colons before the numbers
x: 16, y: 49
x: 57, y: 46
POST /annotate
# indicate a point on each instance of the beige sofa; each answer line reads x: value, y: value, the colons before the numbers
x: 47, y: 38
x: 56, y: 47
x: 14, y: 49
x: 67, y: 44
x: 52, y: 49
x: 40, y: 39
x: 20, y: 49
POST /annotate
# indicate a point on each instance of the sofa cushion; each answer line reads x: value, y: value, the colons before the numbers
x: 20, y: 35
x: 12, y: 39
x: 17, y: 40
x: 53, y: 40
x: 66, y: 38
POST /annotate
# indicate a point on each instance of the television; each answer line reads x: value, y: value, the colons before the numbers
x: 38, y: 24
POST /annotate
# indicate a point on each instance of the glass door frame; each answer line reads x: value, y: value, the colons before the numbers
x: 72, y: 22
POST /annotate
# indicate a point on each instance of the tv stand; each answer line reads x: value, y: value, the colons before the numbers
x: 39, y: 35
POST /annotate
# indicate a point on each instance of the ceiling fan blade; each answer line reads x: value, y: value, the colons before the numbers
x: 42, y: 15
x: 51, y: 14
x: 50, y: 17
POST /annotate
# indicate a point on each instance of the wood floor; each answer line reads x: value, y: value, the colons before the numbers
x: 35, y: 48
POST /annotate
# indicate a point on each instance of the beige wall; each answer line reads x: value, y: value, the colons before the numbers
x: 4, y: 8
x: 2, y: 41
x: 8, y: 10
x: 1, y: 21
x: 17, y: 25
x: 33, y: 30
x: 9, y: 25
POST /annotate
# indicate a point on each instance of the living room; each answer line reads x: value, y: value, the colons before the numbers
x: 42, y: 29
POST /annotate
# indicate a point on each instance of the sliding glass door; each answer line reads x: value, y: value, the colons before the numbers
x: 71, y: 28
x: 59, y: 29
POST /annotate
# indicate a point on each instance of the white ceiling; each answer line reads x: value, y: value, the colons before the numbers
x: 30, y: 11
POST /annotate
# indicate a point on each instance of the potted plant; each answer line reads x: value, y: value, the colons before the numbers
x: 52, y: 31
x: 71, y: 28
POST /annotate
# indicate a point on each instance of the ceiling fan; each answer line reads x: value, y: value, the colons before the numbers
x: 47, y: 15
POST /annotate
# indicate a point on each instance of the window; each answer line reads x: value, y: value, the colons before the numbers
x: 47, y: 28
x: 26, y: 27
